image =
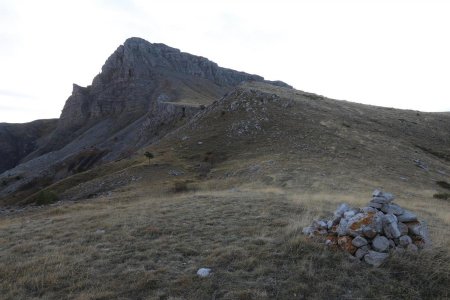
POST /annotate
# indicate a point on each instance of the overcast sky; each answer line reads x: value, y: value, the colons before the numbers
x: 391, y: 53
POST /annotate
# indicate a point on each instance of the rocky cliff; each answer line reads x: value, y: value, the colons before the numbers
x: 144, y: 91
x: 19, y: 140
x: 139, y: 74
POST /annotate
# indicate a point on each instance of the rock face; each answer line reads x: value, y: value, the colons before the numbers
x: 17, y: 141
x: 370, y: 233
x: 143, y: 92
x: 139, y: 75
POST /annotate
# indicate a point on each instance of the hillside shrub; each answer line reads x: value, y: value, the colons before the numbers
x: 443, y: 196
x: 180, y: 186
x: 46, y: 197
x: 443, y: 184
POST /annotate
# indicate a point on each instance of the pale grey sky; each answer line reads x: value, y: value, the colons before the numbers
x: 391, y: 53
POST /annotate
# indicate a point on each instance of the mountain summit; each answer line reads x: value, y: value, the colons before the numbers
x: 144, y: 91
x: 139, y: 72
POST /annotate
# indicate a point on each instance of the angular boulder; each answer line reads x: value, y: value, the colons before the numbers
x: 407, y: 216
x: 390, y: 227
x: 393, y: 209
x: 359, y: 241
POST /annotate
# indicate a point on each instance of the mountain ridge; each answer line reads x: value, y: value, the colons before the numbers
x: 143, y: 91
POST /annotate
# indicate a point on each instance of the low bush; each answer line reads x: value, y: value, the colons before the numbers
x: 444, y: 196
x: 180, y: 186
x: 46, y: 197
x: 443, y: 184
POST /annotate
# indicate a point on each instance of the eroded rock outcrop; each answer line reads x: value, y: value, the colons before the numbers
x: 143, y: 92
x: 372, y: 232
x: 17, y: 141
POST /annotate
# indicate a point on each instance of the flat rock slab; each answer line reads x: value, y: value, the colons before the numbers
x: 407, y: 216
x: 393, y: 209
x: 375, y: 258
x: 359, y: 241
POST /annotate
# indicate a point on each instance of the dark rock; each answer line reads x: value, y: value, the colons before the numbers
x: 391, y: 244
x: 403, y: 228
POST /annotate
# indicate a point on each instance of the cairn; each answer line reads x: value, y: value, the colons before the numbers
x: 371, y: 233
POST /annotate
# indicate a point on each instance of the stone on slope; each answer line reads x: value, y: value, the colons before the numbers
x: 407, y: 216
x: 368, y: 209
x: 405, y: 240
x: 360, y: 253
x: 419, y: 229
x: 393, y: 209
x: 345, y: 243
x: 204, y: 272
x: 381, y: 200
x: 390, y: 227
x: 381, y: 197
x: 359, y: 241
x: 369, y: 231
x: 339, y: 212
x: 375, y: 258
x: 380, y: 244
x: 356, y: 223
x: 403, y: 228
x: 375, y: 205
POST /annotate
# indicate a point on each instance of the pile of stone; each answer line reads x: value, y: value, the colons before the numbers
x: 371, y: 233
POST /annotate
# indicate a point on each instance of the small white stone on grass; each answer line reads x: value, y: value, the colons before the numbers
x: 204, y: 272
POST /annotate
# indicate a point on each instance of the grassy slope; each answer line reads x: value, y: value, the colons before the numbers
x: 250, y: 191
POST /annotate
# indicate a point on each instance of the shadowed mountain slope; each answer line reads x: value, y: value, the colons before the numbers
x: 19, y: 140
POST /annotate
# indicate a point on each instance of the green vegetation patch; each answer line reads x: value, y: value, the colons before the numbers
x: 443, y: 184
x: 444, y: 196
x: 46, y: 197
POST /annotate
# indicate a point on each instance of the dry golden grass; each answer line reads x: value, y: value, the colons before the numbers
x: 134, y: 245
x: 241, y: 211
